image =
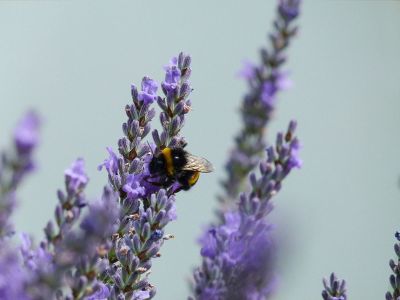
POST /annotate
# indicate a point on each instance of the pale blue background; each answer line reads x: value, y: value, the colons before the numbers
x: 74, y: 61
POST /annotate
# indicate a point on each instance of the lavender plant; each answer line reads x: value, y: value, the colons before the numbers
x: 105, y: 249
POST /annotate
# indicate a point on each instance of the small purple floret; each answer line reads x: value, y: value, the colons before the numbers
x: 149, y: 91
x: 133, y: 187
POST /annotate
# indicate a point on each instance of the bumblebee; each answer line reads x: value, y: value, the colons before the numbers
x: 176, y: 164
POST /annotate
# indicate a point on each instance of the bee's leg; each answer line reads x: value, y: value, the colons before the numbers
x: 161, y: 181
x: 175, y: 188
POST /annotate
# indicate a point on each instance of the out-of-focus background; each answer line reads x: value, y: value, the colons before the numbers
x: 74, y: 62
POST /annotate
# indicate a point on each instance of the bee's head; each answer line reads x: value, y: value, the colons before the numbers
x: 157, y: 164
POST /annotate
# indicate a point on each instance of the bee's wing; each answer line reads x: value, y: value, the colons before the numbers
x: 199, y: 164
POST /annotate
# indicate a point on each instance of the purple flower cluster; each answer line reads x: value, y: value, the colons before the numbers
x: 334, y: 289
x: 238, y: 253
x: 264, y: 82
x: 68, y: 250
x: 12, y: 276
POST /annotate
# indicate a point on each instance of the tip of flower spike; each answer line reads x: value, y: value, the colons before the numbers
x: 75, y: 176
x: 289, y: 9
x: 26, y: 134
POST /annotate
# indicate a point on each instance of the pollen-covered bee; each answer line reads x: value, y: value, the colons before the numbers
x: 176, y: 164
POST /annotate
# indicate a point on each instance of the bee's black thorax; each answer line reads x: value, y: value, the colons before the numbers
x: 169, y: 162
x: 157, y: 165
x: 171, y: 165
x: 178, y: 158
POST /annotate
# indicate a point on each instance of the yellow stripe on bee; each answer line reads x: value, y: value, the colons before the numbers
x: 193, y: 179
x: 168, y: 160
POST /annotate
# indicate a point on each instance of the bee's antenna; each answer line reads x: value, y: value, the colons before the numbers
x: 151, y: 150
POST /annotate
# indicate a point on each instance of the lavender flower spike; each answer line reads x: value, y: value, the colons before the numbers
x: 85, y: 250
x: 334, y: 289
x: 15, y: 165
x: 146, y: 204
x: 47, y: 274
x: 238, y: 254
x: 264, y: 81
x: 394, y: 278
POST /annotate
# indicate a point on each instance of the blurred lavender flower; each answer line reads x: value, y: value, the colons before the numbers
x: 35, y: 259
x: 70, y: 267
x: 71, y: 202
x: 12, y: 277
x: 15, y: 165
x: 26, y: 134
x: 46, y: 272
x: 334, y: 289
x: 289, y: 9
x: 394, y: 278
x: 264, y: 81
x: 75, y: 177
x: 238, y: 253
x: 85, y: 250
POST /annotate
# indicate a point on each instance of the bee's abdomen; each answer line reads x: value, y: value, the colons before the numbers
x: 188, y: 178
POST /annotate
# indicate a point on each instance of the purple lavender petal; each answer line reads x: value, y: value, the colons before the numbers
x: 148, y: 94
x: 75, y: 177
x: 133, y: 187
x: 111, y: 163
